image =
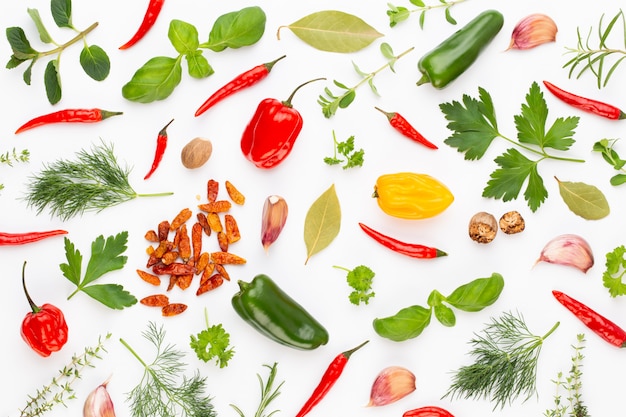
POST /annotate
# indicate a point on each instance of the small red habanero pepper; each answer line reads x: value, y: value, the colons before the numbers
x: 44, y: 329
x: 68, y: 116
x: 332, y: 374
x: 599, y: 324
x: 398, y: 122
x: 160, y: 150
x: 243, y: 80
x: 586, y: 104
x: 149, y: 18
x: 272, y: 131
x: 429, y: 411
x: 413, y: 250
x: 28, y: 237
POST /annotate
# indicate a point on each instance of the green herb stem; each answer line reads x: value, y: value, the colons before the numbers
x: 80, y: 36
x: 541, y: 152
x: 446, y: 4
x: 155, y: 194
x: 382, y: 68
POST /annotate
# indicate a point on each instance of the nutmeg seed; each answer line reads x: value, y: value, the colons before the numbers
x: 483, y: 227
x: 196, y: 153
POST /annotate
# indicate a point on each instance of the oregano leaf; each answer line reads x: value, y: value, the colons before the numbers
x: 322, y: 222
x: 584, y: 200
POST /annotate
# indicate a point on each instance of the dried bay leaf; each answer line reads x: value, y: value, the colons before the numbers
x: 333, y: 31
x: 322, y: 222
x: 584, y: 200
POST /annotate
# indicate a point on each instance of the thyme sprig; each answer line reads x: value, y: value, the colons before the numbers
x: 506, y: 362
x: 92, y: 182
x: 268, y: 393
x: 9, y: 158
x: 399, y: 14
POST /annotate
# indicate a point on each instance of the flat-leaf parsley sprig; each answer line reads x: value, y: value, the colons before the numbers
x: 474, y: 126
x: 353, y: 158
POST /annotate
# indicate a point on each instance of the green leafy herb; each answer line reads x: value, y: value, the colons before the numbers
x: 164, y: 390
x: 322, y: 222
x: 474, y: 126
x: 9, y: 158
x: 360, y: 280
x: 331, y: 103
x: 615, y: 270
x: 601, y: 60
x: 346, y: 148
x: 505, y: 366
x: 333, y: 31
x: 610, y: 155
x: 584, y: 200
x: 93, y: 59
x: 105, y: 257
x: 268, y: 393
x: 92, y: 182
x: 159, y: 76
x: 212, y: 343
x: 399, y: 14
x: 410, y: 322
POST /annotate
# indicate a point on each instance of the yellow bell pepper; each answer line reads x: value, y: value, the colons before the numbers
x: 409, y: 195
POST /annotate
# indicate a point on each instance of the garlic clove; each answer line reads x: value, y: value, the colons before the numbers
x: 391, y: 384
x: 532, y: 31
x: 98, y: 402
x: 569, y: 250
x: 274, y: 217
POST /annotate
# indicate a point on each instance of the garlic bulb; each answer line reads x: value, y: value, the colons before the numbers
x: 391, y: 384
x: 532, y: 31
x: 98, y: 402
x: 570, y: 250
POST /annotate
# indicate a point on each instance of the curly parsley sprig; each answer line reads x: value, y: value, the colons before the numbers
x: 212, y: 343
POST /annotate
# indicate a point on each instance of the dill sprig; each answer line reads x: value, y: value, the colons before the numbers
x: 92, y: 182
x: 60, y: 389
x: 164, y: 390
x: 268, y: 393
x: 506, y: 362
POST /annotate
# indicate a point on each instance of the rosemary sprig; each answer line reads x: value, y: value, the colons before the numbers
x: 268, y: 393
x: 163, y: 390
x: 506, y: 362
x: 597, y: 58
x: 399, y: 14
x: 60, y: 387
x: 92, y: 182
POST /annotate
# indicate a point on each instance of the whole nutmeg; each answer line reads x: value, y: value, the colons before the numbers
x: 512, y: 222
x: 196, y: 153
x: 483, y: 227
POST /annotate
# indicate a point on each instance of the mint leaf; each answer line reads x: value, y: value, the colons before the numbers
x: 615, y: 270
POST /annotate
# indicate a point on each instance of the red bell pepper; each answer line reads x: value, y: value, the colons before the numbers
x: 272, y: 132
x: 44, y: 328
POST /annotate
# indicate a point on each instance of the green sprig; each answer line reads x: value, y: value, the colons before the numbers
x: 353, y: 158
x: 399, y: 14
x: 606, y: 147
x: 268, y: 393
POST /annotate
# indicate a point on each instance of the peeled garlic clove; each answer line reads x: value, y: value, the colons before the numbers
x: 274, y: 217
x: 532, y: 31
x: 98, y: 402
x: 391, y: 384
x: 570, y: 250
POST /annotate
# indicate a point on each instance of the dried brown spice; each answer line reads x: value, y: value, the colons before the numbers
x: 196, y: 240
x: 156, y: 300
x: 212, y: 188
x: 151, y: 236
x: 163, y: 230
x: 202, y: 262
x: 212, y: 283
x: 173, y: 309
x: 218, y: 206
x: 215, y: 222
x: 235, y: 195
x: 206, y: 273
x: 184, y: 281
x: 204, y: 222
x: 512, y: 222
x: 184, y: 244
x: 172, y: 282
x: 164, y: 246
x: 226, y: 258
x: 222, y: 241
x: 169, y: 257
x: 175, y: 268
x: 483, y: 227
x: 222, y: 271
x: 232, y: 229
x: 148, y: 277
x: 180, y: 219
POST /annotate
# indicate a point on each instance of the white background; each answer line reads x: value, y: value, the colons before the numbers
x: 399, y: 281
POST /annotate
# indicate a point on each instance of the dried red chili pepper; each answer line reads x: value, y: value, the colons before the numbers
x: 403, y: 126
x: 160, y: 149
x: 332, y: 374
x: 272, y: 131
x: 29, y: 237
x: 149, y: 18
x: 586, y: 104
x: 430, y: 411
x: 44, y: 328
x: 243, y: 80
x: 600, y: 325
x: 68, y: 116
x: 409, y: 249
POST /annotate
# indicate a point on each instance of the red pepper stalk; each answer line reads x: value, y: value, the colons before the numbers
x: 403, y: 126
x: 332, y: 374
x: 44, y: 329
x: 68, y: 116
x: 271, y: 133
x: 160, y: 150
x: 28, y: 237
x: 586, y: 104
x: 240, y: 82
x: 149, y: 18
x: 413, y: 250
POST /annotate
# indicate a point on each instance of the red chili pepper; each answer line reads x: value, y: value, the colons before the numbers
x: 243, y: 80
x: 602, y: 326
x: 430, y: 411
x: 68, y: 116
x: 586, y: 104
x: 154, y: 8
x: 160, y: 149
x: 272, y: 132
x: 29, y: 237
x: 403, y: 126
x: 409, y: 249
x: 44, y: 328
x: 332, y: 374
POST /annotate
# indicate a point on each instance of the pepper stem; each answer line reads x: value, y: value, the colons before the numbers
x: 163, y: 131
x: 33, y: 306
x: 388, y: 114
x: 269, y: 65
x: 348, y: 353
x: 104, y: 114
x: 287, y: 102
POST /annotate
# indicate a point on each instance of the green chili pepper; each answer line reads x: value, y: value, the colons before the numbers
x: 267, y: 308
x: 454, y: 55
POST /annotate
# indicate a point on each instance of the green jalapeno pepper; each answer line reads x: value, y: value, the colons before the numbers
x: 268, y: 309
x: 457, y: 53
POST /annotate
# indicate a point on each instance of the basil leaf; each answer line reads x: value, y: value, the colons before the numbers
x: 236, y: 29
x: 322, y: 222
x: 95, y: 62
x: 477, y: 294
x: 52, y: 82
x: 43, y: 32
x: 198, y: 66
x: 19, y: 44
x: 111, y: 295
x: 445, y: 315
x: 407, y: 323
x: 62, y: 13
x: 584, y: 200
x: 184, y: 36
x: 155, y: 80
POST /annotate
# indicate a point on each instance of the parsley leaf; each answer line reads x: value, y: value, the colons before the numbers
x: 212, y: 343
x: 360, y: 279
x: 346, y: 148
x: 615, y: 270
x: 105, y: 257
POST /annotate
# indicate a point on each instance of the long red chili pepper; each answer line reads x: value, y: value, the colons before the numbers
x: 152, y: 12
x: 602, y: 326
x: 403, y: 126
x: 68, y: 116
x: 332, y: 374
x: 586, y: 104
x: 429, y: 411
x: 160, y: 150
x: 29, y: 237
x: 243, y: 80
x: 413, y: 250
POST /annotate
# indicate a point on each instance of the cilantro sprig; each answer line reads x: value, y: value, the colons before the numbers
x: 612, y: 278
x: 346, y: 148
x: 212, y: 343
x: 360, y: 279
x: 474, y: 125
